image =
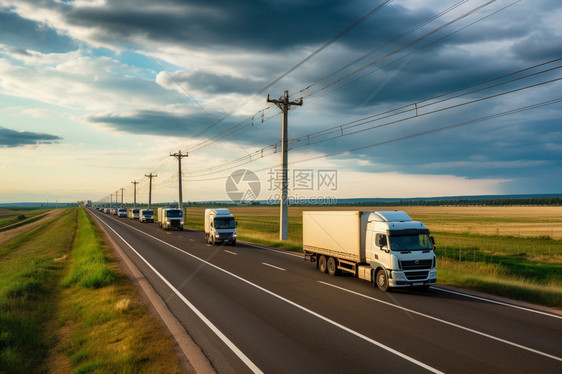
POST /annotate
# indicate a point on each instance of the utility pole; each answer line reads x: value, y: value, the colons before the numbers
x: 122, y: 196
x: 116, y: 197
x: 150, y: 176
x: 284, y: 104
x: 179, y: 156
x: 135, y: 194
x: 111, y: 202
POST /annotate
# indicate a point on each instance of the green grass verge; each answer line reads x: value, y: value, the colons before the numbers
x: 111, y: 331
x: 89, y: 268
x: 29, y: 273
x: 92, y: 324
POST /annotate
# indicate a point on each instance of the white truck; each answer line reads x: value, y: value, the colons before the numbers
x: 121, y: 212
x: 146, y: 215
x: 133, y: 213
x: 220, y: 226
x: 386, y: 248
x: 170, y: 218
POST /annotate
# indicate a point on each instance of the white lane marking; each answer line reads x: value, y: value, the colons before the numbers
x: 273, y: 250
x: 209, y: 324
x: 272, y: 266
x: 499, y: 303
x: 232, y: 253
x: 319, y: 316
x: 446, y: 322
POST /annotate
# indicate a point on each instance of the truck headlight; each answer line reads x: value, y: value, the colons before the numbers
x: 433, y: 274
x: 398, y: 275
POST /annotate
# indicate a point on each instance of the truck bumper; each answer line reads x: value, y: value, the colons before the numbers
x: 411, y: 279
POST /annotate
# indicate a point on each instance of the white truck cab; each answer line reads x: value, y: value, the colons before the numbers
x: 220, y: 226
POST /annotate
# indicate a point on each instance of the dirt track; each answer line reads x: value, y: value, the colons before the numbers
x: 12, y: 233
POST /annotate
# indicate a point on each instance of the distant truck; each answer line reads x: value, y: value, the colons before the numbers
x: 121, y: 212
x: 170, y: 218
x: 386, y: 248
x: 220, y: 226
x: 146, y: 215
x: 133, y: 213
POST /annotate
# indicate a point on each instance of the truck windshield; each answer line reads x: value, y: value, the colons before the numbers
x: 173, y: 213
x: 225, y: 223
x: 147, y: 211
x: 410, y: 242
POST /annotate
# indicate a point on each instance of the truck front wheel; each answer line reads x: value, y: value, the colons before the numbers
x: 322, y: 264
x: 332, y: 266
x: 382, y: 280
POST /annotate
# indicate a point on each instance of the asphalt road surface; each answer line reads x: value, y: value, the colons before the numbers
x: 255, y: 309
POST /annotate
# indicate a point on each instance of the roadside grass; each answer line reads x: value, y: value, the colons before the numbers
x: 111, y: 331
x: 66, y: 307
x: 525, y: 264
x: 28, y: 297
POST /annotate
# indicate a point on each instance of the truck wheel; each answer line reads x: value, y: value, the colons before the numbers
x: 332, y: 266
x: 322, y: 264
x: 213, y: 242
x: 382, y: 280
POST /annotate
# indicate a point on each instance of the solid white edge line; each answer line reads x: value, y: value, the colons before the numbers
x: 319, y: 316
x: 446, y: 322
x: 272, y: 266
x: 205, y: 320
x: 499, y: 303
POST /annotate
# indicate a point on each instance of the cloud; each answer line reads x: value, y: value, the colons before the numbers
x: 12, y: 138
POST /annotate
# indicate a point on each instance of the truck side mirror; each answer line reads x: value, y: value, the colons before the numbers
x: 236, y: 222
x: 432, y: 240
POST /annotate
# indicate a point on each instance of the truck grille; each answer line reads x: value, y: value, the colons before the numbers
x: 416, y: 264
x: 416, y: 275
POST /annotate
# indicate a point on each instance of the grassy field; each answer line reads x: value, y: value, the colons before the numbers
x: 11, y: 218
x: 509, y: 251
x: 66, y: 307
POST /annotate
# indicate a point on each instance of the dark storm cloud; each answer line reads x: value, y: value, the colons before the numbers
x: 154, y: 123
x: 23, y: 34
x: 12, y: 138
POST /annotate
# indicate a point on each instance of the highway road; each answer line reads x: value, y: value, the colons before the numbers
x: 257, y: 309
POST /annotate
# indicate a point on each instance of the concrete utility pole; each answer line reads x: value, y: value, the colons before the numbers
x: 111, y: 202
x: 150, y: 176
x: 284, y: 104
x: 179, y: 156
x: 122, y: 196
x: 116, y: 197
x: 135, y: 194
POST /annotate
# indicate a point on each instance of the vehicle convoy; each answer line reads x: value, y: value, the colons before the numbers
x: 386, y: 248
x: 170, y: 218
x: 146, y: 215
x: 133, y: 213
x: 220, y: 226
x: 121, y: 212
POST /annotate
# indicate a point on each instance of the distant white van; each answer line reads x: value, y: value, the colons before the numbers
x: 146, y: 215
x: 121, y: 212
x: 133, y: 213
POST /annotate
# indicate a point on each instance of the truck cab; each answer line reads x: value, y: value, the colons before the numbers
x: 170, y: 218
x: 399, y: 250
x: 146, y: 215
x: 220, y: 226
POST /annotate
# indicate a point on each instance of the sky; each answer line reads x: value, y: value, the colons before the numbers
x: 400, y: 99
